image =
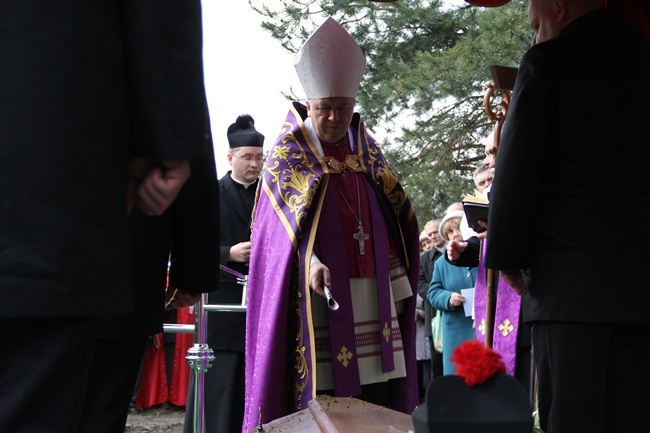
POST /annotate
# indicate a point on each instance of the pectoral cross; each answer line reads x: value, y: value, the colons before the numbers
x: 361, y: 237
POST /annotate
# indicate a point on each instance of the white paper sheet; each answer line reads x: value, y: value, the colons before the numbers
x: 468, y: 305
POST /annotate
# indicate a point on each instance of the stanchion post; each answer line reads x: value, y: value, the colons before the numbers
x: 199, y: 358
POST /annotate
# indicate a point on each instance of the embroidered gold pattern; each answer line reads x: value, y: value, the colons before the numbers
x: 300, y: 378
x: 385, y: 178
x: 296, y: 184
x: 344, y: 356
x: 336, y: 165
x: 280, y: 152
x: 386, y: 332
x: 506, y: 327
x: 481, y: 327
x: 350, y: 163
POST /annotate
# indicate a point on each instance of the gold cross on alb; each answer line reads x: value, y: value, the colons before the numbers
x: 361, y: 237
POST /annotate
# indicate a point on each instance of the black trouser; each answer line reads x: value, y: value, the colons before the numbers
x: 43, y: 373
x: 115, y: 368
x: 592, y: 377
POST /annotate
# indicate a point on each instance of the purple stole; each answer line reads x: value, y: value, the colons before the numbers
x: 341, y: 321
x: 292, y: 201
x: 506, y: 321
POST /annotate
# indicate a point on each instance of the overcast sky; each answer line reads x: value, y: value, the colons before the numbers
x: 245, y: 72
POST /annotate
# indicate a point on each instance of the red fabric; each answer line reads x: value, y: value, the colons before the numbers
x: 476, y: 363
x: 153, y: 379
x: 154, y: 387
x: 181, y: 371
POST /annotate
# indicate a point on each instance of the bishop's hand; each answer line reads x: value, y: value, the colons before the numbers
x: 319, y: 275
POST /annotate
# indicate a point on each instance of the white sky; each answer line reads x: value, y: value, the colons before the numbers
x: 245, y: 72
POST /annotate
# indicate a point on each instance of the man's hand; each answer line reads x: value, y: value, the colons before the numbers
x: 483, y: 234
x: 516, y: 280
x: 240, y: 252
x: 155, y: 190
x: 455, y: 249
x: 319, y: 275
x: 180, y: 299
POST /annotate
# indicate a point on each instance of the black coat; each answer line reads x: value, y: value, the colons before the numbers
x: 571, y: 171
x: 427, y: 260
x: 83, y: 88
x: 227, y: 330
x: 189, y: 230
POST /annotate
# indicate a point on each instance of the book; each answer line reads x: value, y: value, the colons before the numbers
x: 476, y: 208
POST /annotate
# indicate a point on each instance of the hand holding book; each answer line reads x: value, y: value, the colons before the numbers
x: 476, y: 209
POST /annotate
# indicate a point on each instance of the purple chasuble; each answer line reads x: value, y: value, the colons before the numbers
x: 290, y: 206
x: 506, y: 321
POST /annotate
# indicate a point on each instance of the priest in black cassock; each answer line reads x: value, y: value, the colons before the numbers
x: 224, y: 382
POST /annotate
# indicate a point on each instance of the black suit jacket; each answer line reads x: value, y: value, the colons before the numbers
x: 189, y: 231
x: 83, y: 88
x: 227, y: 330
x: 427, y: 260
x: 572, y: 170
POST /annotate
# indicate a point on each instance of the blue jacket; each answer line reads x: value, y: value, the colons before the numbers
x: 456, y: 328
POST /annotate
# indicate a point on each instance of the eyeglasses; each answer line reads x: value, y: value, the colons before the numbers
x: 259, y: 158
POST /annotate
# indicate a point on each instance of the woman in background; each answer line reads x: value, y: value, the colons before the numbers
x: 445, y: 294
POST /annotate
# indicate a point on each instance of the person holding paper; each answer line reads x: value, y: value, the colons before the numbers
x: 445, y: 294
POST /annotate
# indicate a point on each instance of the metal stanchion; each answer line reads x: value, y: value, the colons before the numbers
x: 199, y: 358
x: 178, y: 328
x: 200, y: 355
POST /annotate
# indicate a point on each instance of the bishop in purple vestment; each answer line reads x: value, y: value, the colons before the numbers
x: 329, y: 211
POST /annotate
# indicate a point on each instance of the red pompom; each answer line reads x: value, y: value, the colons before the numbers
x: 476, y: 363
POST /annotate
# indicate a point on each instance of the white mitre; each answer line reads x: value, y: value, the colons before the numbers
x: 330, y: 64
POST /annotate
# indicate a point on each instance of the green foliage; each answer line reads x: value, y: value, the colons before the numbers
x: 423, y: 87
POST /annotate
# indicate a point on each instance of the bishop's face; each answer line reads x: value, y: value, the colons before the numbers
x: 331, y: 117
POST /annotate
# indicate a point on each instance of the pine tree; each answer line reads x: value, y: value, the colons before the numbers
x: 423, y: 87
